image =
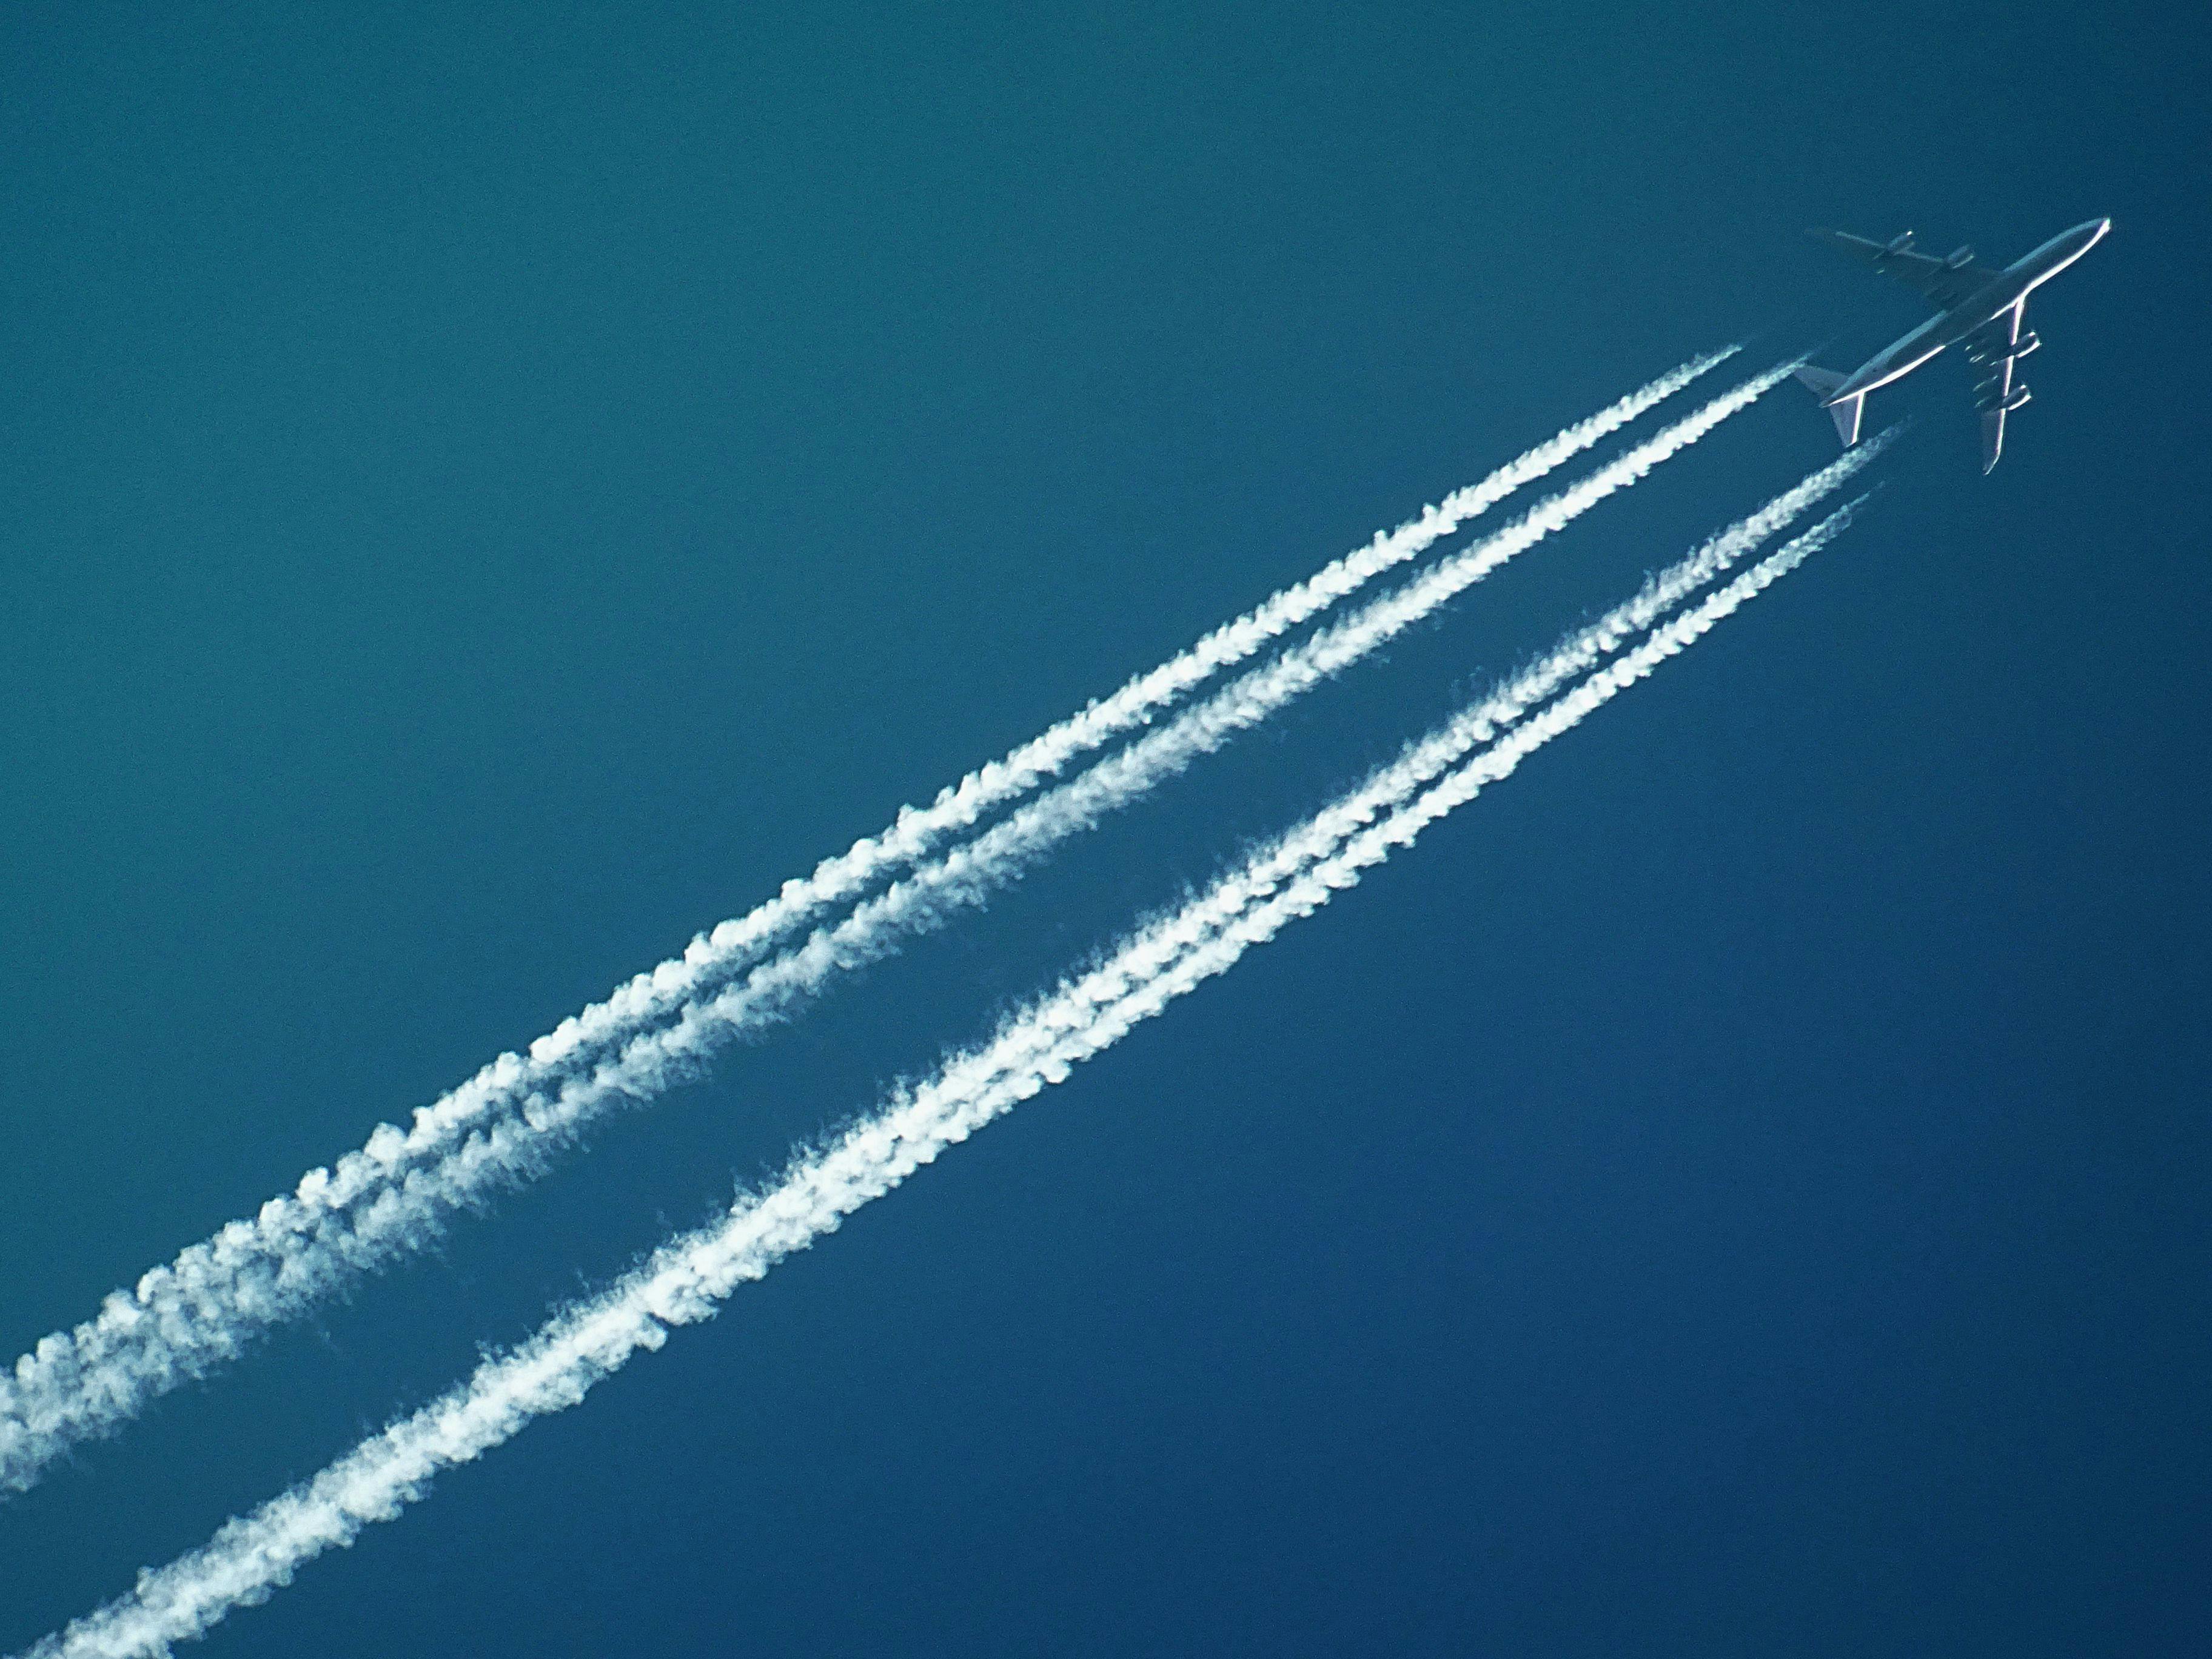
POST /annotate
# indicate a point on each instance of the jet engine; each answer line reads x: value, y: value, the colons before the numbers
x: 1899, y: 243
x: 2018, y: 400
x: 1979, y: 350
x: 1959, y: 258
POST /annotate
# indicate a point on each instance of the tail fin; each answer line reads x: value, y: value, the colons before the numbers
x: 1822, y: 383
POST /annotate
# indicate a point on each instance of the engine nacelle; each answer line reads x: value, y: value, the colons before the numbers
x: 2018, y: 400
x: 1996, y: 351
x: 1899, y: 243
x: 1959, y: 258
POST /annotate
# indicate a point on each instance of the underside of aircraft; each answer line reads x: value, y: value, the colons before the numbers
x: 1979, y: 308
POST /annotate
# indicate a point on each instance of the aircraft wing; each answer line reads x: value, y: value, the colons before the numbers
x: 1941, y: 284
x: 1997, y: 346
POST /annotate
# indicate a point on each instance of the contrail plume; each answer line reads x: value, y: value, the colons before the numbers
x: 263, y: 1271
x: 686, y: 1280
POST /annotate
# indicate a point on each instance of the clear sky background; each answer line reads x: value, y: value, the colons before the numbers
x: 483, y: 496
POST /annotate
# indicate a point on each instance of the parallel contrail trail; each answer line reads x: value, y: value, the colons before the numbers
x: 685, y: 1280
x: 182, y: 1321
x: 261, y: 1272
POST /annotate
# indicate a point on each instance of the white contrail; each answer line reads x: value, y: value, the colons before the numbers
x: 182, y: 1321
x: 684, y: 1280
x: 261, y: 1272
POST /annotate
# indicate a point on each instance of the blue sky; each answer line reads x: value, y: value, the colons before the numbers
x: 487, y: 497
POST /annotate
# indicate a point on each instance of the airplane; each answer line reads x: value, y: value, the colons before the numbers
x: 1977, y: 307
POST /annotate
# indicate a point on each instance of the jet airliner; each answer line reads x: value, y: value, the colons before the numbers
x: 1978, y: 308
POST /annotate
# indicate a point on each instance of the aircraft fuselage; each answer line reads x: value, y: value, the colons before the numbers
x: 1984, y: 305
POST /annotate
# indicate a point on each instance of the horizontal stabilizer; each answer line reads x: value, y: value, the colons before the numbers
x: 1846, y: 416
x: 1822, y: 383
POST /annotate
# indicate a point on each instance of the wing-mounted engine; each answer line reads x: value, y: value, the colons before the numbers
x: 1900, y: 243
x: 1959, y: 257
x: 2018, y: 400
x: 1992, y: 347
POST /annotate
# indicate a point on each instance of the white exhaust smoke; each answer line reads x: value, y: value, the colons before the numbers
x: 685, y: 1280
x: 184, y: 1321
